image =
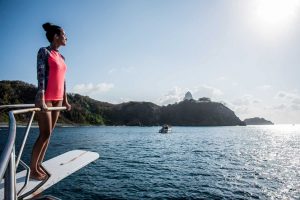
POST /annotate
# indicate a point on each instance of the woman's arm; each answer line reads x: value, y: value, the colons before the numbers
x: 41, y: 77
x: 65, y: 100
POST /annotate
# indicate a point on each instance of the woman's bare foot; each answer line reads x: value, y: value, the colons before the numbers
x: 41, y: 170
x: 34, y: 174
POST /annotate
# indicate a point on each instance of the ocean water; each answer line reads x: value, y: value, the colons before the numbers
x: 253, y: 162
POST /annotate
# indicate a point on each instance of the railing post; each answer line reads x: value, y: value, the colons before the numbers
x: 10, y: 192
x: 5, y: 156
x: 25, y: 138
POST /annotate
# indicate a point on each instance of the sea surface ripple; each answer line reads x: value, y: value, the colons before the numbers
x: 253, y: 162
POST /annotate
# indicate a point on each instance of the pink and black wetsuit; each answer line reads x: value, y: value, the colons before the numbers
x: 51, y: 69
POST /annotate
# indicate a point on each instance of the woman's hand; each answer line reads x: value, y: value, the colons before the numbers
x: 40, y: 101
x: 67, y: 105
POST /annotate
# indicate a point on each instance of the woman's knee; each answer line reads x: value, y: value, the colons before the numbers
x: 55, y: 115
x: 44, y: 121
x: 45, y: 134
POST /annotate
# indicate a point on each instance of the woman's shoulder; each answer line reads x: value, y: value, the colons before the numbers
x: 43, y: 51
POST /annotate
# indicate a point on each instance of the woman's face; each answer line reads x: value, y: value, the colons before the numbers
x: 62, y: 38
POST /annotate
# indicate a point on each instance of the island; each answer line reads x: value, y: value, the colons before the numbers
x: 257, y: 121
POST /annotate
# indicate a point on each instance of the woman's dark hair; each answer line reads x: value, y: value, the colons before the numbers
x: 51, y: 30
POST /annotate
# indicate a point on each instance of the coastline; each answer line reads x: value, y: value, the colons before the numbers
x: 35, y: 125
x: 65, y: 125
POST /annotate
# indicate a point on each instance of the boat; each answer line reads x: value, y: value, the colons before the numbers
x: 17, y: 185
x: 165, y: 129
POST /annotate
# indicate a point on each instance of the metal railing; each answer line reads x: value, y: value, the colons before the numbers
x: 8, y: 161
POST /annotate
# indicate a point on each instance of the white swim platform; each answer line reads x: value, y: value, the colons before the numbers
x: 14, y: 185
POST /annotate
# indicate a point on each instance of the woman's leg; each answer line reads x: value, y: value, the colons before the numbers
x: 54, y: 117
x: 45, y: 126
x: 55, y: 114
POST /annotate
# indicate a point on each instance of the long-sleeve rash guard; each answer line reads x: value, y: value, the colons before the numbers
x: 51, y: 69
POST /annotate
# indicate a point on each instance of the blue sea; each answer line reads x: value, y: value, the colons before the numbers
x: 252, y: 162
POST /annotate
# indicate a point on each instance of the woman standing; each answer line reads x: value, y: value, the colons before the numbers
x: 51, y: 70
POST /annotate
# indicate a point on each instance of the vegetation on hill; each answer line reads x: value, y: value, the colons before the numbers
x: 199, y: 113
x: 92, y: 112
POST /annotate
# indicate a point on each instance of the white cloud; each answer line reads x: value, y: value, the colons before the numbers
x: 296, y: 100
x: 206, y: 91
x: 222, y: 78
x: 92, y: 89
x: 246, y: 106
x: 245, y: 100
x: 288, y: 95
x: 242, y: 110
x: 265, y: 87
x: 279, y: 107
x: 174, y: 95
x: 280, y: 95
x: 256, y: 101
x: 234, y: 84
x: 295, y: 107
x: 177, y: 94
x: 291, y: 99
x: 119, y: 100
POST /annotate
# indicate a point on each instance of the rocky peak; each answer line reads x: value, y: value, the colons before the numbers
x: 188, y: 96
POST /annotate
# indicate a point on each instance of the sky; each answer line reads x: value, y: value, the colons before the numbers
x: 243, y: 53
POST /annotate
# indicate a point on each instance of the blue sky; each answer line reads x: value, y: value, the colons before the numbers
x: 242, y: 53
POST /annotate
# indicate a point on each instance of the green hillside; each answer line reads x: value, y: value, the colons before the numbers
x: 87, y: 111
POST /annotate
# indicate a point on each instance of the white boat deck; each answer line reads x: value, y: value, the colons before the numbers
x: 59, y: 167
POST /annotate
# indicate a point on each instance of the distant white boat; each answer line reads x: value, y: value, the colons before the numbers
x: 165, y: 129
